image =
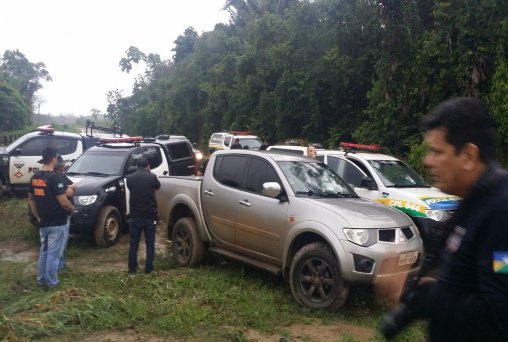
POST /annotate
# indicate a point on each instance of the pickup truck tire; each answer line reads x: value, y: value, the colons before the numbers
x: 188, y: 248
x: 315, y: 278
x: 108, y: 229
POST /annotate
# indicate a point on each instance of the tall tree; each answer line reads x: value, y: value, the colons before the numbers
x: 22, y: 74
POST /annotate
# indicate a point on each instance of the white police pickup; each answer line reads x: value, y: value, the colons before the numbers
x: 390, y: 181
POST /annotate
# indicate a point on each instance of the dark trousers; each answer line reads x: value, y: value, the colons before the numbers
x: 137, y: 226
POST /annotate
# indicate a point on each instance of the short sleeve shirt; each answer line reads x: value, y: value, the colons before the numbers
x: 45, y: 186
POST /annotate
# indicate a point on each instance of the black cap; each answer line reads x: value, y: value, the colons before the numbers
x: 47, y: 155
x: 59, y: 161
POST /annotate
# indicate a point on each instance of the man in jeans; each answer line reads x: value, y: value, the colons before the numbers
x: 50, y: 206
x: 70, y: 189
x: 142, y: 185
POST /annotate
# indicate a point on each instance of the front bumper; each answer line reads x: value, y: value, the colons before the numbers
x: 84, y: 218
x: 384, y: 258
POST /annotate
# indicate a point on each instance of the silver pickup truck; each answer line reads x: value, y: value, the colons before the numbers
x: 289, y: 215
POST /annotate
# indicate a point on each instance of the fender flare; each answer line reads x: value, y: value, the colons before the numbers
x: 322, y: 231
x: 187, y: 201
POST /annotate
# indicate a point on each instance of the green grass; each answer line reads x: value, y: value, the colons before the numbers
x: 218, y: 301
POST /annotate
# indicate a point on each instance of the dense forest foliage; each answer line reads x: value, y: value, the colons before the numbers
x: 327, y: 70
x: 20, y: 80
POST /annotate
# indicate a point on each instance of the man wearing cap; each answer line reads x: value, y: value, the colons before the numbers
x: 143, y: 213
x: 50, y: 206
x: 70, y: 189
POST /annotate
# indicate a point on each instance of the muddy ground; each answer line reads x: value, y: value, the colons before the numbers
x: 102, y: 261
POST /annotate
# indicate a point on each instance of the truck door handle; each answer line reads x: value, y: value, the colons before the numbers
x: 209, y: 192
x: 190, y: 166
x: 245, y: 203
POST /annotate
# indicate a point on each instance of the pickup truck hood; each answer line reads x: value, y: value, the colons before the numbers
x: 430, y: 198
x: 362, y: 213
x: 89, y: 185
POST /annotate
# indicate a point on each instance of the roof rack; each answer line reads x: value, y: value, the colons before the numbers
x: 116, y: 129
x: 46, y: 129
x: 109, y: 142
x: 350, y: 146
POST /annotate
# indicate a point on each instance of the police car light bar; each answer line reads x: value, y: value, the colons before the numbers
x: 46, y: 129
x: 241, y: 133
x: 351, y: 146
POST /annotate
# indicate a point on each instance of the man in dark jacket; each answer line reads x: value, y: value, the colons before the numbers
x: 142, y: 185
x: 468, y: 300
x: 50, y: 207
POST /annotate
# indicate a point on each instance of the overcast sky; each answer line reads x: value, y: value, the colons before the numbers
x: 81, y: 42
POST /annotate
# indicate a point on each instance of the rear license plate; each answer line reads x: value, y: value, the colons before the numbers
x: 408, y: 258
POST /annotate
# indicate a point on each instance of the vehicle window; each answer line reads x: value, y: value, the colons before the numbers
x: 35, y: 146
x: 229, y: 170
x: 106, y: 163
x: 135, y: 154
x: 315, y: 179
x: 216, y: 139
x: 320, y: 158
x: 260, y: 172
x: 394, y: 173
x: 153, y: 154
x: 361, y: 166
x: 252, y: 143
x: 348, y: 171
x: 227, y: 141
x: 179, y: 150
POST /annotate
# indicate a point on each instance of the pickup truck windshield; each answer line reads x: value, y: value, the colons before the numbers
x: 394, y: 173
x: 253, y: 143
x: 99, y: 163
x: 314, y: 179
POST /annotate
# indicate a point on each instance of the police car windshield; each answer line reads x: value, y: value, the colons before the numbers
x: 315, y: 179
x: 396, y: 174
x: 99, y: 163
x: 253, y: 143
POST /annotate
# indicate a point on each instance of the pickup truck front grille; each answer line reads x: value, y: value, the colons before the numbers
x: 395, y: 235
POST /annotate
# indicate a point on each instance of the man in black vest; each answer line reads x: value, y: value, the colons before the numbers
x: 50, y: 207
x: 468, y: 299
x: 142, y: 185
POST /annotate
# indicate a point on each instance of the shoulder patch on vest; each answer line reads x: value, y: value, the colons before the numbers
x: 500, y: 262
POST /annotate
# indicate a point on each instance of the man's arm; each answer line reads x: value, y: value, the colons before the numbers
x: 65, y: 203
x: 33, y: 207
x: 71, y: 189
x: 157, y: 183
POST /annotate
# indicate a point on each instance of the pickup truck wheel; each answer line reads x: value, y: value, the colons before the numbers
x: 315, y: 278
x: 107, y: 231
x: 188, y: 249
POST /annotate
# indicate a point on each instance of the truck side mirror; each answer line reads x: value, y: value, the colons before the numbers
x: 16, y: 152
x: 271, y: 189
x: 368, y: 183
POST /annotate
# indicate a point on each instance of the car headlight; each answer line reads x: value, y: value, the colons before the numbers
x: 199, y: 155
x: 438, y: 215
x: 86, y: 200
x: 359, y: 236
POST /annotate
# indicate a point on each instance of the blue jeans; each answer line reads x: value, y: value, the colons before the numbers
x: 136, y: 226
x: 61, y: 263
x: 52, y: 244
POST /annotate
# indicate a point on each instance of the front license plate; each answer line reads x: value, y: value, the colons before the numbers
x: 408, y: 258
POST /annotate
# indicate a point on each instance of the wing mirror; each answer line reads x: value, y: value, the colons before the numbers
x: 16, y: 152
x: 368, y: 183
x: 271, y: 189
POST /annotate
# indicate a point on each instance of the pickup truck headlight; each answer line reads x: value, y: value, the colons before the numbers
x: 437, y: 215
x: 86, y: 200
x: 359, y: 236
x: 199, y: 156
